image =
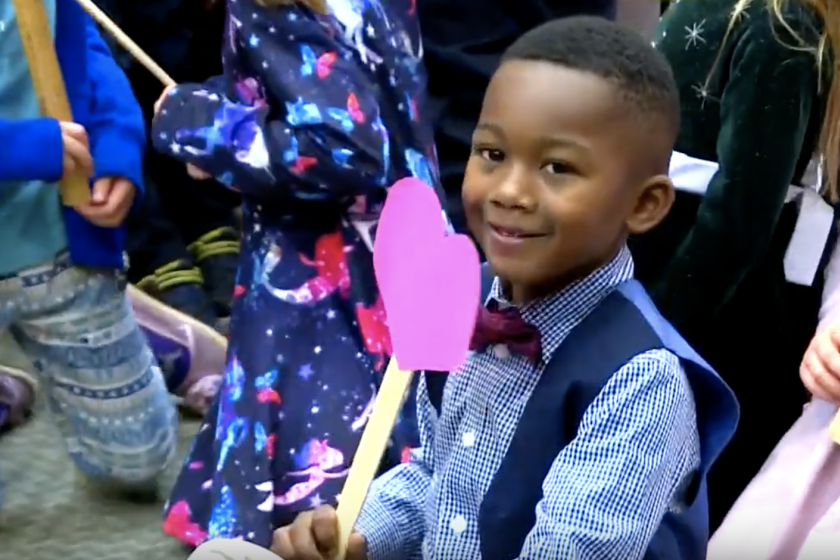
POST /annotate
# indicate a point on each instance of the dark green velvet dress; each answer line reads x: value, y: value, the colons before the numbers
x: 715, y: 266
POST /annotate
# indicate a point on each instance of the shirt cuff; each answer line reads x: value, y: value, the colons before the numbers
x: 381, y: 530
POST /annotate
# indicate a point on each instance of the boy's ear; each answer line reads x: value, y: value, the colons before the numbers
x: 653, y: 202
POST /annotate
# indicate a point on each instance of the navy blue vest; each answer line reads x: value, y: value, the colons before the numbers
x: 624, y: 325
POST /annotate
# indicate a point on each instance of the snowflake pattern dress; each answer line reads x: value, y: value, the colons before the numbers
x: 313, y: 118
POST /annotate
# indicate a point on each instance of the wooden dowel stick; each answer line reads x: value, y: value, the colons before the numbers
x: 49, y: 85
x: 372, y: 445
x: 125, y: 41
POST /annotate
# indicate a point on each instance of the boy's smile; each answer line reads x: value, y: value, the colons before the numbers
x: 506, y: 238
x: 553, y: 177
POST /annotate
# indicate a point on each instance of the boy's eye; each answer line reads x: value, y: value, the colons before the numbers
x: 558, y: 168
x: 491, y: 154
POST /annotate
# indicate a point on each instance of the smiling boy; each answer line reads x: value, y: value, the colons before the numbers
x: 582, y: 426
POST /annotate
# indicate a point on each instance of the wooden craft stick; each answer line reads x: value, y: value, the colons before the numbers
x: 834, y: 429
x: 372, y: 445
x: 126, y: 42
x: 49, y: 84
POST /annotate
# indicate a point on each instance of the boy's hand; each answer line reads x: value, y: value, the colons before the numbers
x: 163, y: 96
x: 192, y: 170
x: 197, y: 173
x: 820, y: 369
x: 77, y: 158
x: 314, y: 536
x: 110, y: 202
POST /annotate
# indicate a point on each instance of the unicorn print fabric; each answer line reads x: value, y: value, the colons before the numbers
x: 313, y: 118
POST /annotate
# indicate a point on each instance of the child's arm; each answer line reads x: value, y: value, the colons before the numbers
x: 393, y: 518
x: 32, y: 150
x: 820, y: 367
x: 764, y: 111
x: 608, y: 490
x: 319, y: 137
x: 116, y: 128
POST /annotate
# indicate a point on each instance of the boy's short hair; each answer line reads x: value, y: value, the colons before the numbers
x: 640, y: 74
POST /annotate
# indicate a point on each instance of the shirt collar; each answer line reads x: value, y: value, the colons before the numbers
x: 556, y: 315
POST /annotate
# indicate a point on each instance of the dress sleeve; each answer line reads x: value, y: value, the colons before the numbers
x: 306, y: 125
x: 765, y: 109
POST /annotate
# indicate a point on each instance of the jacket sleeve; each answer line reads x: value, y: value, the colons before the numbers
x: 33, y: 150
x: 765, y: 109
x: 116, y: 128
x: 314, y: 133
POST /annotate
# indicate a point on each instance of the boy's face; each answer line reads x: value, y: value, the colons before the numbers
x: 552, y: 186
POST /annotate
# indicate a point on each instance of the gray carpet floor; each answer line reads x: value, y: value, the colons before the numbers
x: 48, y: 514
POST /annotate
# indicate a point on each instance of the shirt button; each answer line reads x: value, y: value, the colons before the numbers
x: 458, y: 524
x: 468, y: 439
x: 501, y: 352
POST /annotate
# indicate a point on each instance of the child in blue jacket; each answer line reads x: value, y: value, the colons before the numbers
x: 61, y: 288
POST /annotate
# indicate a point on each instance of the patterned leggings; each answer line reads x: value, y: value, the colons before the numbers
x: 105, y: 391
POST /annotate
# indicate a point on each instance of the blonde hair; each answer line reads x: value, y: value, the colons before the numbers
x: 317, y: 6
x: 826, y: 55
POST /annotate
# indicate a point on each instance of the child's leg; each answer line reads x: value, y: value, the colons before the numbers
x: 108, y: 396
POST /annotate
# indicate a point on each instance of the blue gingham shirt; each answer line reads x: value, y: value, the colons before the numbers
x: 606, y: 493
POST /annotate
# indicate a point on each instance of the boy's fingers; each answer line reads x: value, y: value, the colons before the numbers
x: 281, y: 545
x: 102, y: 191
x: 69, y: 164
x: 325, y: 528
x: 818, y: 380
x: 164, y: 94
x: 827, y: 389
x: 356, y: 547
x: 79, y: 153
x: 829, y: 355
x: 302, y: 539
x: 197, y: 173
x: 76, y: 131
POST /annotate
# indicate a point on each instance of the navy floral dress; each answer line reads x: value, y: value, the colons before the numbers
x: 314, y: 117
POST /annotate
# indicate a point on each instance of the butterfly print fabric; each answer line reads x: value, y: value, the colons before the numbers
x: 314, y: 117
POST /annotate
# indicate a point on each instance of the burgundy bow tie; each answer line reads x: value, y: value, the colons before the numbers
x: 506, y: 326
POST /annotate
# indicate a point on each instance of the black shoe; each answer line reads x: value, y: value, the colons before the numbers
x: 217, y: 254
x: 181, y: 287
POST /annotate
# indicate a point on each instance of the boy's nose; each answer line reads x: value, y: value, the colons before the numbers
x: 513, y: 193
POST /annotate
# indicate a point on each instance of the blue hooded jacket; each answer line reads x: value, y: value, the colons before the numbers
x: 102, y: 101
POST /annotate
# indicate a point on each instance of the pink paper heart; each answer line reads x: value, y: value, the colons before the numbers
x: 430, y: 282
